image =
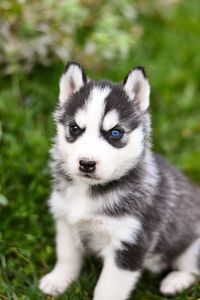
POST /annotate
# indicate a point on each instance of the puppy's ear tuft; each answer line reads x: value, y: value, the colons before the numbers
x: 71, y: 81
x: 136, y: 86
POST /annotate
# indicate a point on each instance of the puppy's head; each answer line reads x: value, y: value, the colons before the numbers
x: 102, y: 128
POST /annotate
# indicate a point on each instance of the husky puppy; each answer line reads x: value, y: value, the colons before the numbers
x: 112, y: 196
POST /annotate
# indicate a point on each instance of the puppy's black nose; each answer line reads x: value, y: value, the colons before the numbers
x: 87, y: 165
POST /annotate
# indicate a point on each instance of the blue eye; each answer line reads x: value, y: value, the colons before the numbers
x: 116, y: 133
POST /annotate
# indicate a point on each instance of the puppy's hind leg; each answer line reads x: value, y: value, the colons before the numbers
x: 187, y: 267
x: 69, y: 260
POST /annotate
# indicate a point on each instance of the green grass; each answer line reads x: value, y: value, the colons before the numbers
x: 170, y: 52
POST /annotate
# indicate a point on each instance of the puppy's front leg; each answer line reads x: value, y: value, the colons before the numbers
x: 69, y: 259
x: 115, y: 283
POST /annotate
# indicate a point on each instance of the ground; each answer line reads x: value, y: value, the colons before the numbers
x: 170, y: 53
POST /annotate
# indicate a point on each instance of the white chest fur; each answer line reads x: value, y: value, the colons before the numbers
x: 98, y: 231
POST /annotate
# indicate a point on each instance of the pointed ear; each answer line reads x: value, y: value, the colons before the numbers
x: 136, y: 86
x: 71, y: 81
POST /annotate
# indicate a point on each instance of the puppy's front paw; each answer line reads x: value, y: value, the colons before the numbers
x: 54, y: 283
x: 176, y: 282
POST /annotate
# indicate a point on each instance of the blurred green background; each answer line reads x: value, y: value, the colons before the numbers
x: 37, y: 38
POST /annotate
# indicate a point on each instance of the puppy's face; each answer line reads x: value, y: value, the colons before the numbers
x: 100, y: 126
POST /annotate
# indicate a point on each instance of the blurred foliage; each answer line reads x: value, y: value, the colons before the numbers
x: 42, y: 32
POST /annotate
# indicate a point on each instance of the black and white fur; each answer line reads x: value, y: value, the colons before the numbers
x: 130, y: 206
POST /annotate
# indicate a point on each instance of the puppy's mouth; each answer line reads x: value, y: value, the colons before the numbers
x: 89, y: 176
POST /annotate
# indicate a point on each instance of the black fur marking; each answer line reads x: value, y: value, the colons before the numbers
x: 77, y: 101
x: 131, y: 258
x: 133, y: 255
x: 133, y: 176
x: 118, y: 100
x: 128, y: 111
x: 129, y: 201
